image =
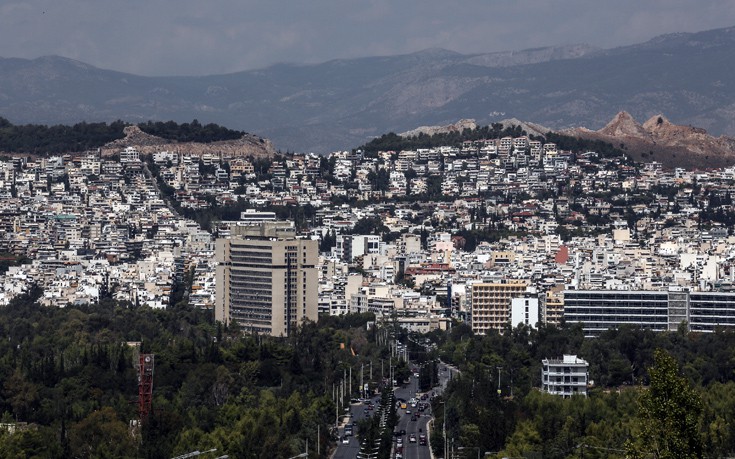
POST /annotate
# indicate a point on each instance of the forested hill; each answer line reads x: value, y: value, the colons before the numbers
x: 42, y: 139
x: 395, y: 142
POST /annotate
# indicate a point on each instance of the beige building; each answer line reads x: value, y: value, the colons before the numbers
x: 491, y: 304
x: 267, y: 279
x: 553, y: 308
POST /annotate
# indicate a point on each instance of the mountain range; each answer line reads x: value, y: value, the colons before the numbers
x: 342, y: 103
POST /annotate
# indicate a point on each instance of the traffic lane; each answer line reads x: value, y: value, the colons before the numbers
x: 350, y: 450
x: 413, y: 450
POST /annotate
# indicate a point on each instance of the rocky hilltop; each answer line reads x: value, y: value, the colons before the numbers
x: 247, y: 145
x: 459, y: 126
x: 660, y: 140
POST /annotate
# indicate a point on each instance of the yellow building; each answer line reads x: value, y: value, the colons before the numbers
x: 553, y: 310
x: 491, y: 304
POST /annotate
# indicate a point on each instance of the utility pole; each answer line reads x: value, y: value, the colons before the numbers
x: 444, y: 428
x: 511, y: 383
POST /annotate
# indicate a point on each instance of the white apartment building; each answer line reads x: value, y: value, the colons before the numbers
x: 564, y: 377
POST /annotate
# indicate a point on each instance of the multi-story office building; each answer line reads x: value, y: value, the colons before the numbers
x: 491, y: 304
x: 267, y: 279
x: 600, y: 310
x: 565, y: 377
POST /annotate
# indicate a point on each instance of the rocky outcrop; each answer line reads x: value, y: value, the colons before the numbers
x: 247, y: 145
x: 623, y: 125
x: 528, y: 127
x: 660, y: 140
x: 459, y: 126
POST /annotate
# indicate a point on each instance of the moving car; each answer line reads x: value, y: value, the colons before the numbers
x: 412, y: 438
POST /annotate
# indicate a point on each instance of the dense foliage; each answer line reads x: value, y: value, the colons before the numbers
x: 190, y: 132
x: 679, y: 367
x: 395, y: 142
x: 40, y: 139
x: 69, y: 373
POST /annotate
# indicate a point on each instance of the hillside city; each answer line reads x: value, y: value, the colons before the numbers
x: 494, y: 233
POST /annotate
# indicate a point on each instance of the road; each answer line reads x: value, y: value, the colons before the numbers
x: 350, y: 450
x: 417, y: 427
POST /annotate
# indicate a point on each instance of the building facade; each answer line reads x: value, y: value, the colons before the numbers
x: 266, y: 279
x: 564, y: 377
x: 524, y: 310
x: 491, y: 304
x: 600, y: 310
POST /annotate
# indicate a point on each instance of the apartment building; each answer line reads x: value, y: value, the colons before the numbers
x: 564, y: 377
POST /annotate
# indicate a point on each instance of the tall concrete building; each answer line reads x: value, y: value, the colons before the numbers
x: 491, y: 304
x: 267, y: 278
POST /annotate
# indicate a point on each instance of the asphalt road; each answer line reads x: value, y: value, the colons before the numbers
x: 410, y: 450
x: 350, y: 450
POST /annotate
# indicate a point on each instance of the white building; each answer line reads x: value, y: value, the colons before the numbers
x: 524, y: 311
x: 130, y: 155
x: 565, y: 377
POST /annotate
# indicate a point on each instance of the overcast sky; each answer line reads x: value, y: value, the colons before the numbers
x: 199, y: 37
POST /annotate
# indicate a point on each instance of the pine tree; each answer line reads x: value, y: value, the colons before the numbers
x: 668, y: 415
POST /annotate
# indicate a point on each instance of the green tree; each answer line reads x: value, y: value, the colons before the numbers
x: 668, y: 414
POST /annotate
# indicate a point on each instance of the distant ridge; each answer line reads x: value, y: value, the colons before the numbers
x: 342, y: 103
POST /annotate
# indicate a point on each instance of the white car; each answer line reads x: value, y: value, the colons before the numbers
x: 345, y: 440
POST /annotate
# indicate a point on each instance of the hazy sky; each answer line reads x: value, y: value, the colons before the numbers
x: 198, y: 37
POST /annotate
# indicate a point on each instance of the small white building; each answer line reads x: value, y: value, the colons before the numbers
x: 130, y: 155
x: 565, y: 377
